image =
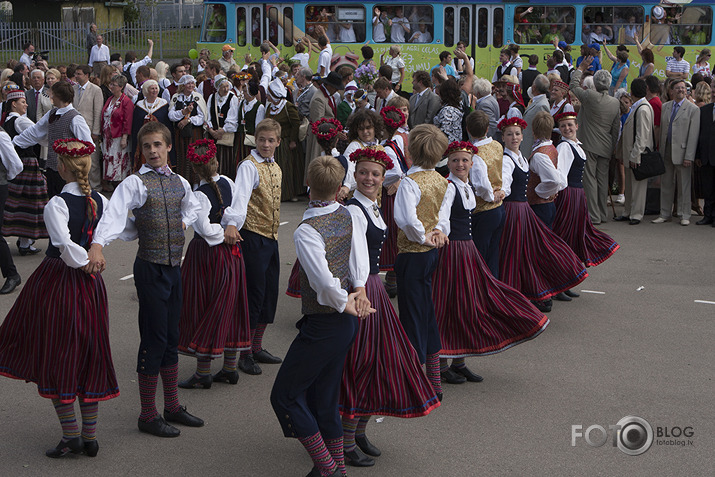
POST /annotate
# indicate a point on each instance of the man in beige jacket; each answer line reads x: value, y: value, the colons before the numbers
x: 88, y: 100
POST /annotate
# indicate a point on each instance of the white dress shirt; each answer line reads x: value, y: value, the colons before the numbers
x: 479, y: 177
x: 247, y: 180
x: 566, y: 156
x: 552, y: 181
x: 131, y: 194
x: 98, y: 53
x: 37, y: 134
x: 326, y: 54
x: 369, y: 205
x: 406, y: 200
x: 132, y: 67
x: 310, y: 248
x: 231, y: 123
x: 212, y: 233
x: 469, y: 201
x: 507, y: 169
x: 10, y: 160
x: 395, y: 174
x: 25, y: 58
x: 400, y: 26
x: 57, y: 216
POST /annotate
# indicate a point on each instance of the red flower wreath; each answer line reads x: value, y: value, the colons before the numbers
x: 330, y: 134
x: 60, y: 147
x: 203, y: 158
x: 372, y: 154
x: 461, y: 146
x: 392, y: 124
x: 514, y: 121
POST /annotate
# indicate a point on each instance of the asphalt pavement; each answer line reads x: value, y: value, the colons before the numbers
x: 638, y: 342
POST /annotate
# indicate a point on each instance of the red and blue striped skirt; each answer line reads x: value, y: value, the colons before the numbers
x: 532, y: 258
x: 476, y: 313
x: 382, y: 374
x: 574, y: 226
x: 57, y: 335
x: 388, y: 255
x: 214, y: 313
x: 25, y: 204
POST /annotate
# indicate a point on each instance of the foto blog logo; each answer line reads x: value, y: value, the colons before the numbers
x: 632, y: 435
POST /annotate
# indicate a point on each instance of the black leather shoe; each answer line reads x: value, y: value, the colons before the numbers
x: 74, y: 446
x: 249, y: 366
x: 203, y: 382
x: 391, y: 290
x: 366, y: 446
x: 356, y: 458
x: 439, y: 396
x: 10, y: 284
x: 158, y: 427
x: 222, y: 376
x: 264, y: 356
x: 91, y: 448
x: 28, y: 250
x: 452, y: 378
x: 542, y: 306
x: 183, y: 417
x: 467, y: 373
x: 704, y: 221
x: 621, y: 218
x: 562, y: 297
x: 634, y: 222
x: 316, y: 473
x: 572, y: 294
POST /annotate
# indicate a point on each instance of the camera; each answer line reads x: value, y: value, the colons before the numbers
x: 40, y: 55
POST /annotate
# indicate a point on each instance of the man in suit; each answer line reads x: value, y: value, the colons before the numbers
x: 38, y: 93
x: 529, y: 75
x: 637, y: 135
x: 383, y: 92
x: 486, y: 102
x: 539, y: 102
x: 322, y: 105
x: 88, y: 100
x: 424, y: 103
x: 598, y: 126
x: 680, y: 125
x: 705, y: 159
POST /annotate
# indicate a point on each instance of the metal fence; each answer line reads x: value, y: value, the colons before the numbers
x: 67, y: 42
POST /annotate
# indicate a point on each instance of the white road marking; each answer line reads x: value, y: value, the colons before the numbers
x: 594, y: 292
x: 127, y: 277
x: 706, y: 302
x: 283, y: 223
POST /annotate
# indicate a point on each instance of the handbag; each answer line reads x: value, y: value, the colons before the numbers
x: 249, y: 140
x: 651, y: 161
x: 227, y: 138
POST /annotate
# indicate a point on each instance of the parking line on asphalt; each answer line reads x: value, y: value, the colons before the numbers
x: 283, y: 223
x: 706, y: 302
x: 594, y: 292
x: 127, y: 277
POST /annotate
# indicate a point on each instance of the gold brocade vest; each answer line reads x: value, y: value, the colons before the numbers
x: 492, y: 154
x: 264, y: 208
x: 432, y: 189
x: 534, y: 178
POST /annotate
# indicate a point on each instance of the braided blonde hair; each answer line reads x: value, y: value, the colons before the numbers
x: 79, y: 167
x: 207, y: 171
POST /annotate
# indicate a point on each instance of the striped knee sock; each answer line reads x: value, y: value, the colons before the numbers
x: 335, y: 447
x: 443, y: 365
x: 229, y: 361
x: 147, y: 395
x: 89, y: 411
x: 433, y: 372
x: 361, y: 426
x: 459, y: 363
x: 68, y: 421
x: 169, y: 381
x: 257, y: 342
x: 349, y: 426
x: 203, y: 367
x: 322, y: 458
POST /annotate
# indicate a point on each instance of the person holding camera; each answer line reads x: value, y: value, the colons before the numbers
x: 28, y: 53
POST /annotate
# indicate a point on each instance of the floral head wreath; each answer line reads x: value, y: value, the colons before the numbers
x: 205, y: 157
x: 392, y: 124
x: 513, y: 121
x: 565, y: 115
x: 458, y: 146
x: 62, y: 149
x: 331, y: 133
x: 242, y: 76
x: 374, y: 154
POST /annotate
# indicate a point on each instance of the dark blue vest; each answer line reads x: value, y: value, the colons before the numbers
x: 375, y: 238
x: 77, y: 206
x: 217, y: 207
x: 575, y: 175
x: 519, y: 179
x: 460, y: 219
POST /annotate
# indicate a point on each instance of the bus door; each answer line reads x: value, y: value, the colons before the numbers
x: 279, y: 24
x: 253, y: 24
x: 480, y: 27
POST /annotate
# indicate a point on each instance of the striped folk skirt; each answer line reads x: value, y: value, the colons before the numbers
x: 532, y: 258
x: 58, y: 336
x: 181, y: 144
x: 574, y: 226
x: 226, y: 161
x: 477, y: 314
x: 25, y: 204
x: 214, y: 312
x: 382, y: 374
x: 388, y: 255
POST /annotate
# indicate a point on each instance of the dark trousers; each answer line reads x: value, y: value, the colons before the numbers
x: 545, y: 212
x: 487, y: 228
x: 159, y: 292
x: 260, y: 255
x: 707, y: 184
x: 6, y: 264
x: 55, y: 183
x: 414, y: 297
x: 305, y: 393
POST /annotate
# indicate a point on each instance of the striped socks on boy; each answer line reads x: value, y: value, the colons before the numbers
x: 318, y: 451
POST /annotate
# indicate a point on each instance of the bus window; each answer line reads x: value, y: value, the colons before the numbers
x: 402, y: 24
x: 342, y: 24
x: 288, y: 26
x: 241, y: 26
x: 273, y: 25
x: 498, y: 39
x: 483, y: 22
x: 542, y: 24
x: 681, y: 25
x: 464, y: 25
x: 215, y: 24
x: 619, y: 25
x: 256, y: 21
x: 448, y: 26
